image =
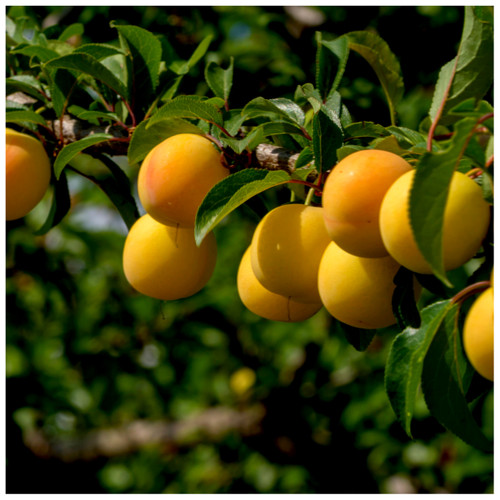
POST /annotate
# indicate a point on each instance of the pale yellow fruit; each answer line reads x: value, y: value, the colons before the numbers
x: 357, y: 290
x: 478, y: 334
x: 286, y: 250
x: 352, y: 196
x: 164, y: 262
x: 242, y: 380
x: 27, y: 174
x: 267, y: 304
x: 466, y: 221
x: 175, y: 177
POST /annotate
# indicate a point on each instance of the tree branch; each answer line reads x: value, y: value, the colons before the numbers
x: 273, y: 157
x: 266, y: 156
x: 211, y: 424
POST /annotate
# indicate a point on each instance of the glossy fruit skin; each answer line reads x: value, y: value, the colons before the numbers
x: 352, y: 196
x: 357, y: 290
x: 164, y: 262
x: 266, y: 304
x: 478, y: 334
x: 466, y: 222
x: 286, y: 249
x: 175, y: 177
x: 27, y: 173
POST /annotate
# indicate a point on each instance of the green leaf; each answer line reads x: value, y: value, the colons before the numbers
x: 470, y: 73
x: 188, y: 106
x: 429, y: 193
x: 446, y: 377
x: 220, y: 80
x: 84, y: 63
x: 44, y: 54
x: 233, y: 120
x: 62, y: 84
x: 84, y: 114
x: 359, y: 338
x: 406, y: 137
x: 249, y: 142
x: 117, y: 187
x: 404, y: 303
x: 75, y: 29
x: 182, y: 67
x: 359, y: 130
x: 27, y: 84
x: 145, y: 51
x: 334, y: 103
x: 331, y: 60
x: 230, y: 193
x: 62, y: 48
x: 310, y: 94
x: 305, y: 157
x: 470, y: 107
x: 345, y: 151
x: 327, y: 138
x: 278, y: 128
x: 290, y: 108
x: 275, y: 109
x: 98, y: 51
x: 146, y: 137
x: 24, y: 116
x: 486, y: 183
x: 61, y: 203
x: 405, y: 361
x: 385, y: 64
x: 68, y: 152
x: 200, y: 51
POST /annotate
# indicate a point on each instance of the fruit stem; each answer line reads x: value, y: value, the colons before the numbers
x: 309, y: 196
x: 469, y: 291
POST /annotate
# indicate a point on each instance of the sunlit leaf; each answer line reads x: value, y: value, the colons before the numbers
x: 230, y: 193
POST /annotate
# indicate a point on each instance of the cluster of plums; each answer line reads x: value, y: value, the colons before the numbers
x: 160, y: 256
x: 342, y: 255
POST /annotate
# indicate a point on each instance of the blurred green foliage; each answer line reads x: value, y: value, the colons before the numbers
x: 84, y: 351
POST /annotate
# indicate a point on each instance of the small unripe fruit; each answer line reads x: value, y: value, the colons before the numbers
x: 286, y: 249
x: 466, y: 221
x: 175, y: 177
x: 164, y: 262
x: 267, y: 304
x: 357, y: 290
x: 352, y: 196
x: 27, y: 174
x: 478, y: 334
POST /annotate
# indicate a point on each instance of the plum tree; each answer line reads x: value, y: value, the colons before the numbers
x: 356, y: 254
x: 175, y: 177
x: 286, y: 249
x: 357, y: 290
x: 27, y: 173
x: 478, y: 334
x: 164, y: 262
x: 466, y: 222
x: 266, y: 304
x: 352, y: 196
